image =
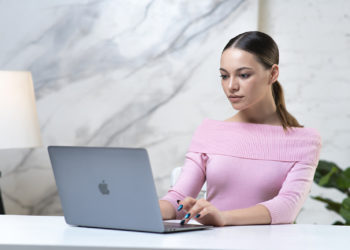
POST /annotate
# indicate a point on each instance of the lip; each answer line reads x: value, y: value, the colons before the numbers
x: 235, y: 98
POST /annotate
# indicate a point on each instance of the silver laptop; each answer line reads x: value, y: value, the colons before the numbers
x: 109, y: 188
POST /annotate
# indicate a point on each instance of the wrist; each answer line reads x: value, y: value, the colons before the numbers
x: 167, y: 210
x: 230, y: 217
x: 226, y: 218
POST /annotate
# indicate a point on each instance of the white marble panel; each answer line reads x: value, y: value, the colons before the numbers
x: 115, y: 73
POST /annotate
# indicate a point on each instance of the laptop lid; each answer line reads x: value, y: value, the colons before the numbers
x: 106, y: 187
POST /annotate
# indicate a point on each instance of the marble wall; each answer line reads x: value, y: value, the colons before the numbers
x: 115, y: 73
x: 314, y: 43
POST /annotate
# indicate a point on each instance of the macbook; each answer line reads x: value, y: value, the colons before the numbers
x: 109, y: 188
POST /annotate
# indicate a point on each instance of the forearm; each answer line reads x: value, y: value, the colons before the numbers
x: 167, y: 210
x: 257, y: 214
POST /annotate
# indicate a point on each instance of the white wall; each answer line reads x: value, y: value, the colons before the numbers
x: 314, y: 42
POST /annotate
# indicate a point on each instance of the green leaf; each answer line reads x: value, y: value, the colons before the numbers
x: 325, y: 179
x: 345, y: 210
x: 346, y: 203
x: 331, y: 205
x: 338, y: 223
x: 342, y: 182
x: 329, y: 175
x: 323, y: 168
x: 347, y: 172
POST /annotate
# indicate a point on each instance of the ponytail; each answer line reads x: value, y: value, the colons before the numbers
x: 286, y: 118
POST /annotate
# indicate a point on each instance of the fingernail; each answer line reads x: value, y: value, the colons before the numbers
x: 180, y: 207
x: 187, y: 216
x: 178, y: 201
x: 182, y: 222
x: 197, y: 216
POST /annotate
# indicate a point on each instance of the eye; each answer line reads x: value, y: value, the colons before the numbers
x: 224, y: 77
x: 244, y: 76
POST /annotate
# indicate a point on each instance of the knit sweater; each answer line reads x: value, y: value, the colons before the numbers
x: 245, y: 164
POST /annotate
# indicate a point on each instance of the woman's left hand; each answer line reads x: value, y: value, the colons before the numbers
x: 202, y: 211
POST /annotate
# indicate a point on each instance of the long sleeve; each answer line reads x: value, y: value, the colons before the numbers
x: 190, y: 181
x: 286, y: 205
x: 247, y: 164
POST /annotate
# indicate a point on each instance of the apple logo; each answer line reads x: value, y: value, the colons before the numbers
x: 103, y: 187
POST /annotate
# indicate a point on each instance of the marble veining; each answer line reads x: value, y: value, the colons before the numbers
x: 115, y: 73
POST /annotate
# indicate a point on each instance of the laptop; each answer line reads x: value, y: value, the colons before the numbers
x: 109, y: 188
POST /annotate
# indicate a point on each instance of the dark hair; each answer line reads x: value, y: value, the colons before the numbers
x: 265, y: 50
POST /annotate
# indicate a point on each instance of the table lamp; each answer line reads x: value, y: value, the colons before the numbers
x: 19, y: 125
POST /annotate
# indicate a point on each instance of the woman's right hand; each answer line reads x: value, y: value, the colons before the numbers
x: 202, y: 211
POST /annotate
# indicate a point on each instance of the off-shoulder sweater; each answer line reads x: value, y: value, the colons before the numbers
x: 245, y: 164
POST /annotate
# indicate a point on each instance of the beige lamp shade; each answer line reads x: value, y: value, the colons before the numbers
x: 19, y: 126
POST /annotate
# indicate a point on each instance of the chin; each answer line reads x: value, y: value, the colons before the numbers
x: 238, y: 106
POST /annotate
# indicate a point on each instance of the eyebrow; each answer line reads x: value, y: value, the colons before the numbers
x: 239, y: 69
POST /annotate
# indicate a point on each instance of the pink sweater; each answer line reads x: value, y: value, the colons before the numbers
x: 246, y: 164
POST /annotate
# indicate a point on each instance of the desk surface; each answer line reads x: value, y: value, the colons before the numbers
x: 51, y: 232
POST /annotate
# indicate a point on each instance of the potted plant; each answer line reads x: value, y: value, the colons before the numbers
x: 329, y: 175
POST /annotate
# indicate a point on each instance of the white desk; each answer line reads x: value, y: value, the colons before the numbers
x: 51, y: 232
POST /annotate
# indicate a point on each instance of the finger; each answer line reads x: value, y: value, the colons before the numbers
x: 198, y: 216
x: 202, y: 213
x: 185, y: 203
x: 211, y: 216
x: 194, y: 211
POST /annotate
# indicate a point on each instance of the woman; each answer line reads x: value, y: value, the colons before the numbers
x: 259, y: 164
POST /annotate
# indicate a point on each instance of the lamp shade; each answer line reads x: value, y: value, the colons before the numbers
x: 19, y: 125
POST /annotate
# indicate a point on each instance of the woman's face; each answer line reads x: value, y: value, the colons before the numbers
x: 244, y: 80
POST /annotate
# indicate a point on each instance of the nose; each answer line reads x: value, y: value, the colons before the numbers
x: 233, y: 84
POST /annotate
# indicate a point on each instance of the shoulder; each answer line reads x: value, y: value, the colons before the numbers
x: 307, y: 133
x: 256, y: 141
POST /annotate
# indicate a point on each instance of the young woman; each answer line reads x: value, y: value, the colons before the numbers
x: 259, y: 164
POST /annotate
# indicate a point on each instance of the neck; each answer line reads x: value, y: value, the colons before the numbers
x: 263, y: 112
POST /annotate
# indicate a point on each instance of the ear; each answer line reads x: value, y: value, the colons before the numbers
x: 274, y: 73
